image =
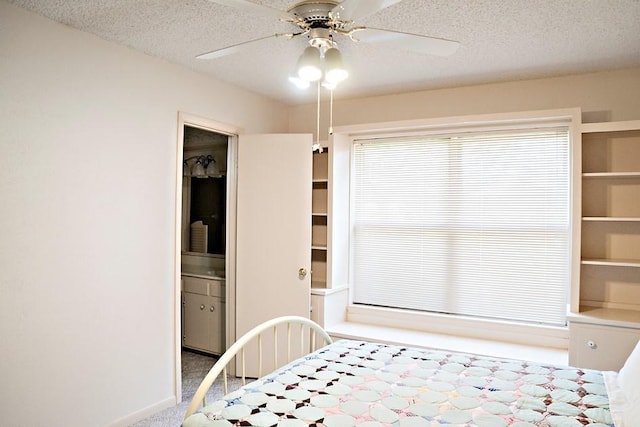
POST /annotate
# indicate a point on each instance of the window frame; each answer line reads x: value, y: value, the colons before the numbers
x: 344, y: 138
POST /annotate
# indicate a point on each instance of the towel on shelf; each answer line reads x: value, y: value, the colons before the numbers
x: 199, y: 234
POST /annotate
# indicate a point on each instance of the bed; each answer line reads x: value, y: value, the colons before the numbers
x: 349, y: 382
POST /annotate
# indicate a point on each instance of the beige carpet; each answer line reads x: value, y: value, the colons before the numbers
x: 194, y: 368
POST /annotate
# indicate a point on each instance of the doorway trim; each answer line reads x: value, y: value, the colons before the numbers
x: 186, y: 119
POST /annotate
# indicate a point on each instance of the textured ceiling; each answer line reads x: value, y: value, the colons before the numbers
x: 500, y: 40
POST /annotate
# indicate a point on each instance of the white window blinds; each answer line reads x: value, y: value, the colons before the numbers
x: 472, y: 224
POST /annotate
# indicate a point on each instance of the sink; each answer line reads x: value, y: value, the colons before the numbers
x: 202, y: 271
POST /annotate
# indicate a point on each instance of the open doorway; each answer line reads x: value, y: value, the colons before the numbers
x: 273, y: 210
x: 205, y: 240
x: 203, y: 243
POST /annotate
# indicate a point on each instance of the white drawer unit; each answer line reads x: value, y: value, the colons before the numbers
x: 203, y: 314
x: 600, y: 347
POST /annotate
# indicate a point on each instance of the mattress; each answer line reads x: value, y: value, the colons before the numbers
x: 350, y: 383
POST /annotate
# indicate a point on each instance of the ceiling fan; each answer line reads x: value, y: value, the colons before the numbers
x: 321, y: 20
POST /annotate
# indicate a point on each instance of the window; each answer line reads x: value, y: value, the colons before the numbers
x: 471, y: 224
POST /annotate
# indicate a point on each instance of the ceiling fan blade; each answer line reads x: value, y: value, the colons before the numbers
x: 352, y: 10
x: 407, y: 41
x: 236, y: 47
x: 257, y: 9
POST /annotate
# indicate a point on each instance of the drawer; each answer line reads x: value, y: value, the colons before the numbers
x: 216, y: 288
x: 600, y: 347
x: 195, y: 286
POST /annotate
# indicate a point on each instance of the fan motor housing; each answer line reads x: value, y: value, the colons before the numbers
x: 316, y: 14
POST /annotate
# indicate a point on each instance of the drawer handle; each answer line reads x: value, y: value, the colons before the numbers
x: 201, y: 306
x: 212, y: 308
x: 592, y: 345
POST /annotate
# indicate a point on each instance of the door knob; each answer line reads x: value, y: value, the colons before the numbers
x: 302, y: 273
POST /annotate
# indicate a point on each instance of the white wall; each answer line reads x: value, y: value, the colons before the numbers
x: 605, y: 96
x: 88, y: 134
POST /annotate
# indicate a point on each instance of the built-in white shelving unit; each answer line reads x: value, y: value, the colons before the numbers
x: 604, y: 317
x: 319, y: 218
x: 329, y: 231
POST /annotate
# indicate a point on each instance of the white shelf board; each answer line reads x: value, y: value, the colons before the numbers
x: 611, y: 175
x: 612, y: 262
x: 324, y: 291
x: 610, y: 126
x: 606, y: 316
x: 610, y: 219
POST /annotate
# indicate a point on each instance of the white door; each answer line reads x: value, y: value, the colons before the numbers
x: 273, y: 228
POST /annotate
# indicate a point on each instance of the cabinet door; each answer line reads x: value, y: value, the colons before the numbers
x: 273, y: 228
x: 216, y: 310
x: 196, y: 321
x: 600, y: 347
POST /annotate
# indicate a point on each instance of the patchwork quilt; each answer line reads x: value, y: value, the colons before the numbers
x: 352, y: 383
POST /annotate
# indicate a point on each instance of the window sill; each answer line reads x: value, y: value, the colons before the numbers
x: 490, y: 337
x: 400, y: 336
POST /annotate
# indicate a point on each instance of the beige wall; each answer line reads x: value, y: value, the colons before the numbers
x: 604, y: 96
x: 88, y: 138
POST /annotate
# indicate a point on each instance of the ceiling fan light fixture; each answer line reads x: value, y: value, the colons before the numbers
x: 335, y: 72
x: 310, y: 65
x: 198, y: 169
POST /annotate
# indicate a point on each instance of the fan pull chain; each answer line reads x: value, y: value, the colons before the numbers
x: 331, y: 113
x: 316, y: 145
x: 318, y: 117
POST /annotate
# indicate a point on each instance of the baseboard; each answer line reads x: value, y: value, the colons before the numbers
x: 144, y: 413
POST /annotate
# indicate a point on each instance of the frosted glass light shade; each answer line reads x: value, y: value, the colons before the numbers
x: 212, y: 169
x: 309, y: 65
x: 335, y: 72
x: 198, y: 170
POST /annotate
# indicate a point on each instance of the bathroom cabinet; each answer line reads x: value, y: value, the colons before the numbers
x: 203, y: 314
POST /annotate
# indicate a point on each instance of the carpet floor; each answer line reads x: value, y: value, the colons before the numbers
x: 194, y: 368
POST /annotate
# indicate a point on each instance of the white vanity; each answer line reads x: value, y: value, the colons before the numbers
x: 203, y: 309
